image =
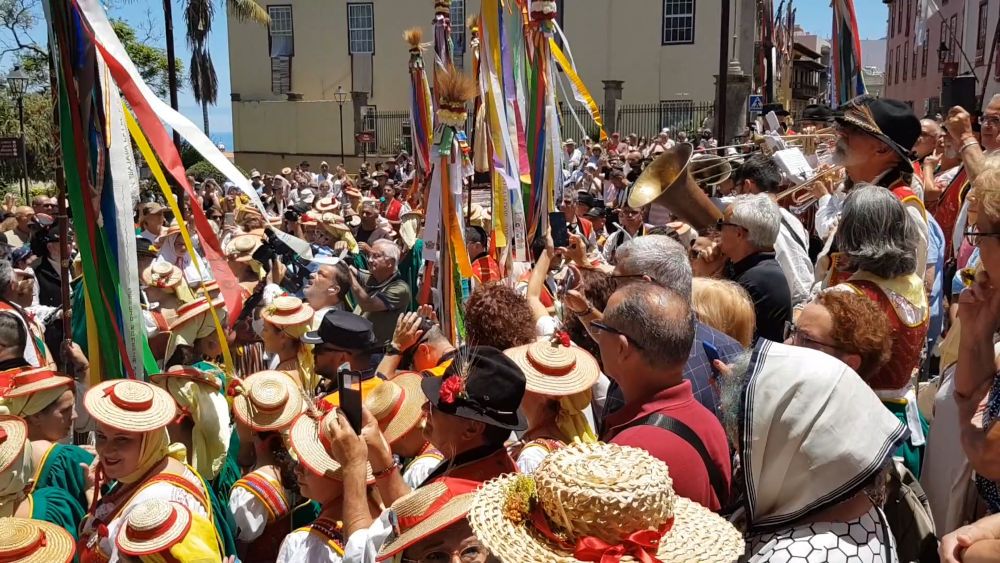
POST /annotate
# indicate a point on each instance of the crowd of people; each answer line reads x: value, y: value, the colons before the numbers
x: 795, y: 382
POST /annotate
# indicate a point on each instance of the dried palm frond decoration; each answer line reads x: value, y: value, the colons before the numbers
x: 414, y: 37
x: 453, y: 89
x: 442, y: 8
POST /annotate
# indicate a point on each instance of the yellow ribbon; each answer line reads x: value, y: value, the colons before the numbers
x: 578, y: 84
x: 161, y: 180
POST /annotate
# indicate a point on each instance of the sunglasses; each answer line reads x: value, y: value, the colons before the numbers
x: 723, y: 223
x: 601, y: 327
x: 974, y: 236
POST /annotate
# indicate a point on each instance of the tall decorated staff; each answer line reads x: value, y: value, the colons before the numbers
x: 444, y: 232
x: 443, y: 49
x: 543, y: 137
x: 421, y: 112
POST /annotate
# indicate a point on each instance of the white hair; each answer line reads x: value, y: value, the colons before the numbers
x: 388, y: 248
x: 661, y: 258
x: 760, y: 216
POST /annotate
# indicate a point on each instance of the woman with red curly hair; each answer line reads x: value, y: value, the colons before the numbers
x: 496, y: 316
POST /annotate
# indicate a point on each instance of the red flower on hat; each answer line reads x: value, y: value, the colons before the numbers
x: 451, y: 389
x: 562, y: 337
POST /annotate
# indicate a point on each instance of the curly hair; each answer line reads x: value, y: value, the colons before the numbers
x: 859, y: 327
x: 495, y: 315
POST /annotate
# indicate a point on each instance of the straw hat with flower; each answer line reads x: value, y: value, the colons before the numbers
x: 163, y: 275
x: 397, y: 404
x: 594, y: 502
x: 241, y: 247
x: 267, y: 400
x: 131, y: 405
x: 27, y: 540
x: 312, y: 445
x: 287, y: 310
x: 428, y: 510
x: 554, y: 368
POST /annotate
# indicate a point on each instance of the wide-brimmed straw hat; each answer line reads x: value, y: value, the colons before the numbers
x: 26, y: 540
x: 397, y: 404
x: 153, y: 526
x: 30, y: 381
x: 13, y: 431
x: 268, y: 400
x: 352, y: 192
x: 190, y: 311
x: 312, y: 447
x: 553, y: 369
x: 428, y: 510
x: 188, y: 372
x: 241, y: 247
x: 130, y: 405
x: 334, y: 224
x: 163, y: 275
x: 326, y: 204
x: 604, y: 492
x: 287, y: 310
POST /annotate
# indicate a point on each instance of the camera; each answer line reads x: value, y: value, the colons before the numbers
x: 296, y: 268
x: 295, y: 211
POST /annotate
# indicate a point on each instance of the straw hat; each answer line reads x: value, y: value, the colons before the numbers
x: 153, y: 526
x: 287, y: 310
x: 326, y: 204
x: 34, y: 541
x: 311, y: 446
x: 553, y: 369
x: 241, y: 247
x: 428, y: 510
x: 269, y: 401
x: 190, y: 311
x: 397, y: 404
x: 163, y: 275
x: 286, y: 171
x: 334, y: 224
x: 187, y: 372
x: 352, y: 192
x: 13, y: 432
x: 131, y: 405
x: 34, y: 380
x: 600, y: 491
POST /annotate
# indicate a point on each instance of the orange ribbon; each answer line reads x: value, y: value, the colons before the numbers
x: 641, y: 546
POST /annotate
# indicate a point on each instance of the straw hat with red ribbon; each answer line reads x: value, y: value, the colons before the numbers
x: 32, y: 390
x: 287, y: 310
x: 27, y: 540
x: 188, y: 372
x: 427, y: 511
x: 598, y: 502
x: 130, y: 405
x: 161, y: 530
x: 312, y: 445
x: 163, y: 275
x: 241, y: 247
x: 267, y: 400
x: 397, y: 404
x: 13, y: 432
x: 326, y: 204
x: 554, y: 368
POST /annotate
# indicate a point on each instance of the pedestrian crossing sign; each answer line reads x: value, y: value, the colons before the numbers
x: 756, y: 103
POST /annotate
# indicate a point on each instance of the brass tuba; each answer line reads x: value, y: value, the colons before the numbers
x: 667, y: 181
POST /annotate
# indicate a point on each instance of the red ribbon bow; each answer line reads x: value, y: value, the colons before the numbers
x: 641, y: 546
x: 235, y: 387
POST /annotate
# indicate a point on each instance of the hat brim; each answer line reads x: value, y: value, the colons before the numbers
x: 431, y: 387
x: 303, y: 436
x: 411, y: 412
x: 48, y: 383
x: 311, y: 337
x: 12, y: 448
x: 451, y: 512
x: 903, y: 152
x: 583, y: 376
x: 277, y: 419
x: 697, y: 534
x: 160, y: 412
x: 58, y: 546
x: 158, y: 543
x: 211, y: 381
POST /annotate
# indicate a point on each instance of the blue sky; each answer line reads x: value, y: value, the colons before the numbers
x: 813, y: 15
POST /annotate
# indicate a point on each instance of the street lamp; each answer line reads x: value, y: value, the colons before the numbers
x: 17, y: 82
x: 340, y: 96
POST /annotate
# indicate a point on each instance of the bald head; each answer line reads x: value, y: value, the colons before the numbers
x: 930, y: 132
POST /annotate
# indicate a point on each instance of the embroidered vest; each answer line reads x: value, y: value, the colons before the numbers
x: 946, y: 210
x: 331, y: 531
x: 279, y: 516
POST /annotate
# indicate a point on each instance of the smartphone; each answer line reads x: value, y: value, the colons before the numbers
x: 713, y: 354
x: 560, y: 234
x: 349, y: 390
x: 229, y: 219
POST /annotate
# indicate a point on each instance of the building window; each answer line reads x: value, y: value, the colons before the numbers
x: 909, y: 12
x: 981, y: 32
x: 361, y: 28
x: 913, y: 69
x: 942, y: 44
x: 906, y: 60
x: 892, y: 20
x: 458, y: 27
x: 923, y: 52
x: 888, y: 68
x: 895, y: 70
x: 954, y: 42
x: 678, y: 22
x: 281, y: 40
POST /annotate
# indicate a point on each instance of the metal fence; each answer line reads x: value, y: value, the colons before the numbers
x: 392, y: 128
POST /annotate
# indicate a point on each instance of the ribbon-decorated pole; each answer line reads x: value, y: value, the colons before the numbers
x: 444, y: 50
x: 421, y: 112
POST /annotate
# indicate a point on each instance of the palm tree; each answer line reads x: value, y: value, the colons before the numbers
x: 198, y: 15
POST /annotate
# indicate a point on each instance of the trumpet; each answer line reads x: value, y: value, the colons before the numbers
x: 802, y: 195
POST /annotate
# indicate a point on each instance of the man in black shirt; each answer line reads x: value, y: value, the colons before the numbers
x: 747, y: 235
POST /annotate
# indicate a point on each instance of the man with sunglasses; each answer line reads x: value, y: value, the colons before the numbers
x: 343, y: 338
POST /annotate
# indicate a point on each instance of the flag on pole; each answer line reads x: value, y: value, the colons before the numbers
x: 925, y: 9
x: 847, y: 75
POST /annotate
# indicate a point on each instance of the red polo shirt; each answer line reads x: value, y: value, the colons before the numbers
x: 686, y: 468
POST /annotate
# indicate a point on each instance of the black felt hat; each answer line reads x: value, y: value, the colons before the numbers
x: 778, y: 109
x: 344, y: 330
x: 890, y: 121
x: 817, y: 112
x: 481, y: 384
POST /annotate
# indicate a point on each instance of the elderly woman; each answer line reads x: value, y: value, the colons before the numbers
x: 173, y: 251
x: 876, y: 238
x: 136, y: 462
x: 17, y: 495
x: 724, y: 306
x: 286, y: 320
x: 976, y: 376
x: 45, y: 400
x: 809, y: 490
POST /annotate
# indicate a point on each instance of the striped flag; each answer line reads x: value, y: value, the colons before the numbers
x: 847, y: 75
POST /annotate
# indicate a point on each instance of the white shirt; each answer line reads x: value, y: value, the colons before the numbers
x: 793, y: 257
x: 302, y: 545
x: 249, y: 513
